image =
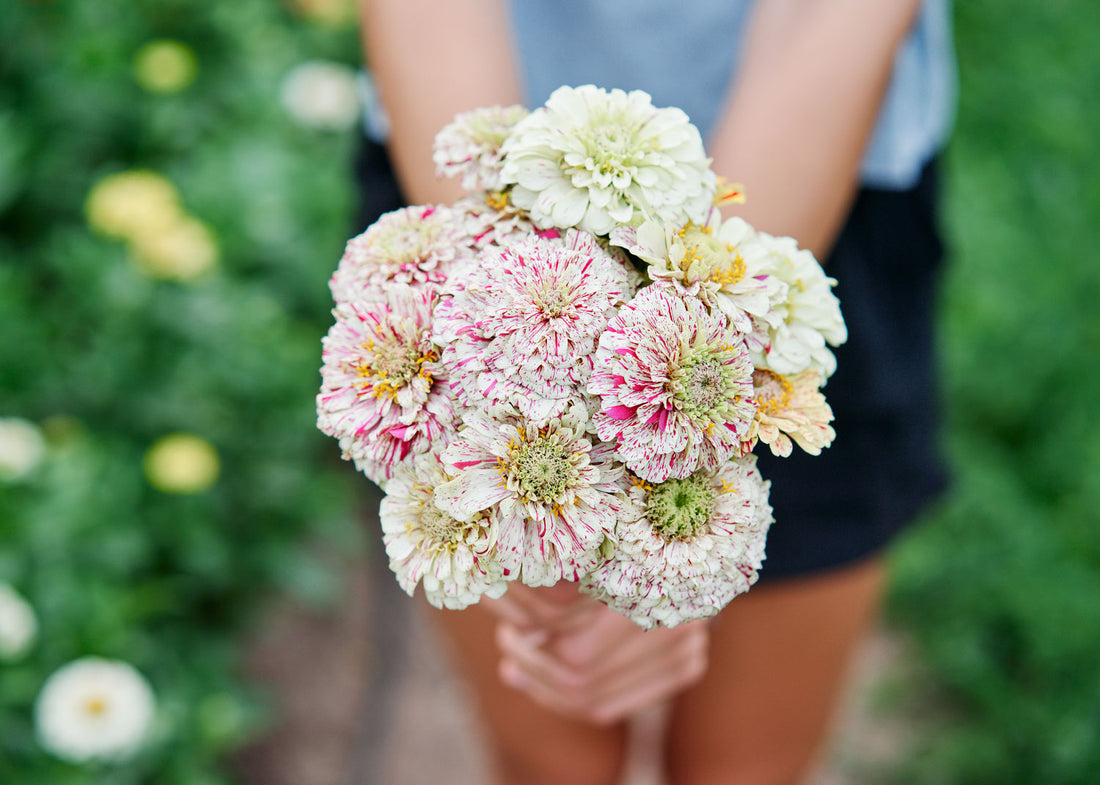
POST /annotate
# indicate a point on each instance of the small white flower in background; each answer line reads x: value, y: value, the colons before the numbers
x: 322, y: 95
x: 18, y: 625
x: 182, y: 463
x: 94, y: 709
x: 21, y: 448
x: 470, y: 146
x: 595, y: 159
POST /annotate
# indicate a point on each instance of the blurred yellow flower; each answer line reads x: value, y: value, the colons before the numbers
x: 182, y: 463
x: 181, y: 251
x: 332, y: 13
x: 165, y: 66
x: 136, y: 201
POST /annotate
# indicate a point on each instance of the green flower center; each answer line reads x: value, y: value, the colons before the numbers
x: 704, y: 386
x: 680, y: 509
x: 543, y: 469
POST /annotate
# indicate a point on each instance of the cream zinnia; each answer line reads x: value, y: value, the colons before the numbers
x: 94, y: 709
x: 380, y: 393
x: 675, y: 384
x: 595, y: 159
x: 704, y: 260
x: 791, y: 408
x: 455, y: 561
x: 697, y: 544
x: 799, y: 327
x: 554, y: 494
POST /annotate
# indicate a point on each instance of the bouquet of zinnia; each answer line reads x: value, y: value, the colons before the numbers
x: 563, y: 375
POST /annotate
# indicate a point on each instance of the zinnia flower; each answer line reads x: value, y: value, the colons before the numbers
x: 697, y: 544
x: 454, y: 560
x: 554, y: 495
x: 704, y: 260
x: 21, y: 448
x: 410, y: 245
x: 798, y: 328
x: 18, y: 624
x: 470, y: 146
x: 132, y: 203
x: 165, y: 66
x: 791, y: 408
x: 675, y: 384
x: 182, y: 463
x: 322, y: 95
x: 524, y: 328
x: 380, y: 392
x: 594, y: 159
x: 94, y: 709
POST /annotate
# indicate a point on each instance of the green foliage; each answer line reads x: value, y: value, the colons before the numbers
x: 1000, y: 590
x: 108, y: 360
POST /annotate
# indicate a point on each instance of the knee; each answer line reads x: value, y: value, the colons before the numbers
x: 735, y: 772
x: 557, y: 767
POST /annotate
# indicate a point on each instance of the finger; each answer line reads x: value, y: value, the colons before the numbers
x: 530, y: 666
x: 512, y: 673
x: 511, y: 610
x: 567, y: 692
x: 644, y: 665
x: 534, y: 663
x: 546, y: 607
x: 655, y: 687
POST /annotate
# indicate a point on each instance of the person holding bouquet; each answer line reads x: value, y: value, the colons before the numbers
x: 831, y: 113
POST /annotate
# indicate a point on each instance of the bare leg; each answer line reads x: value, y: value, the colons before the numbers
x: 529, y: 745
x: 778, y: 660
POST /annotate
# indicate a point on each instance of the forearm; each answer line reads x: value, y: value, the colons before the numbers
x: 432, y: 60
x: 809, y: 88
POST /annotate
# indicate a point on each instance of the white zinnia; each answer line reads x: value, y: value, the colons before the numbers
x: 21, y: 448
x: 18, y: 625
x: 799, y: 328
x: 94, y: 709
x: 595, y: 159
x: 706, y: 261
x: 322, y: 95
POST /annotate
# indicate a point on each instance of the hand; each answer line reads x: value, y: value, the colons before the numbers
x: 578, y: 657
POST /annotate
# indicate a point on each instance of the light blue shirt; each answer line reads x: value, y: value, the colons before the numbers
x: 685, y: 54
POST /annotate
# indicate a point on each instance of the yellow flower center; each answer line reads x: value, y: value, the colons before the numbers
x: 95, y: 706
x: 772, y: 392
x: 392, y: 367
